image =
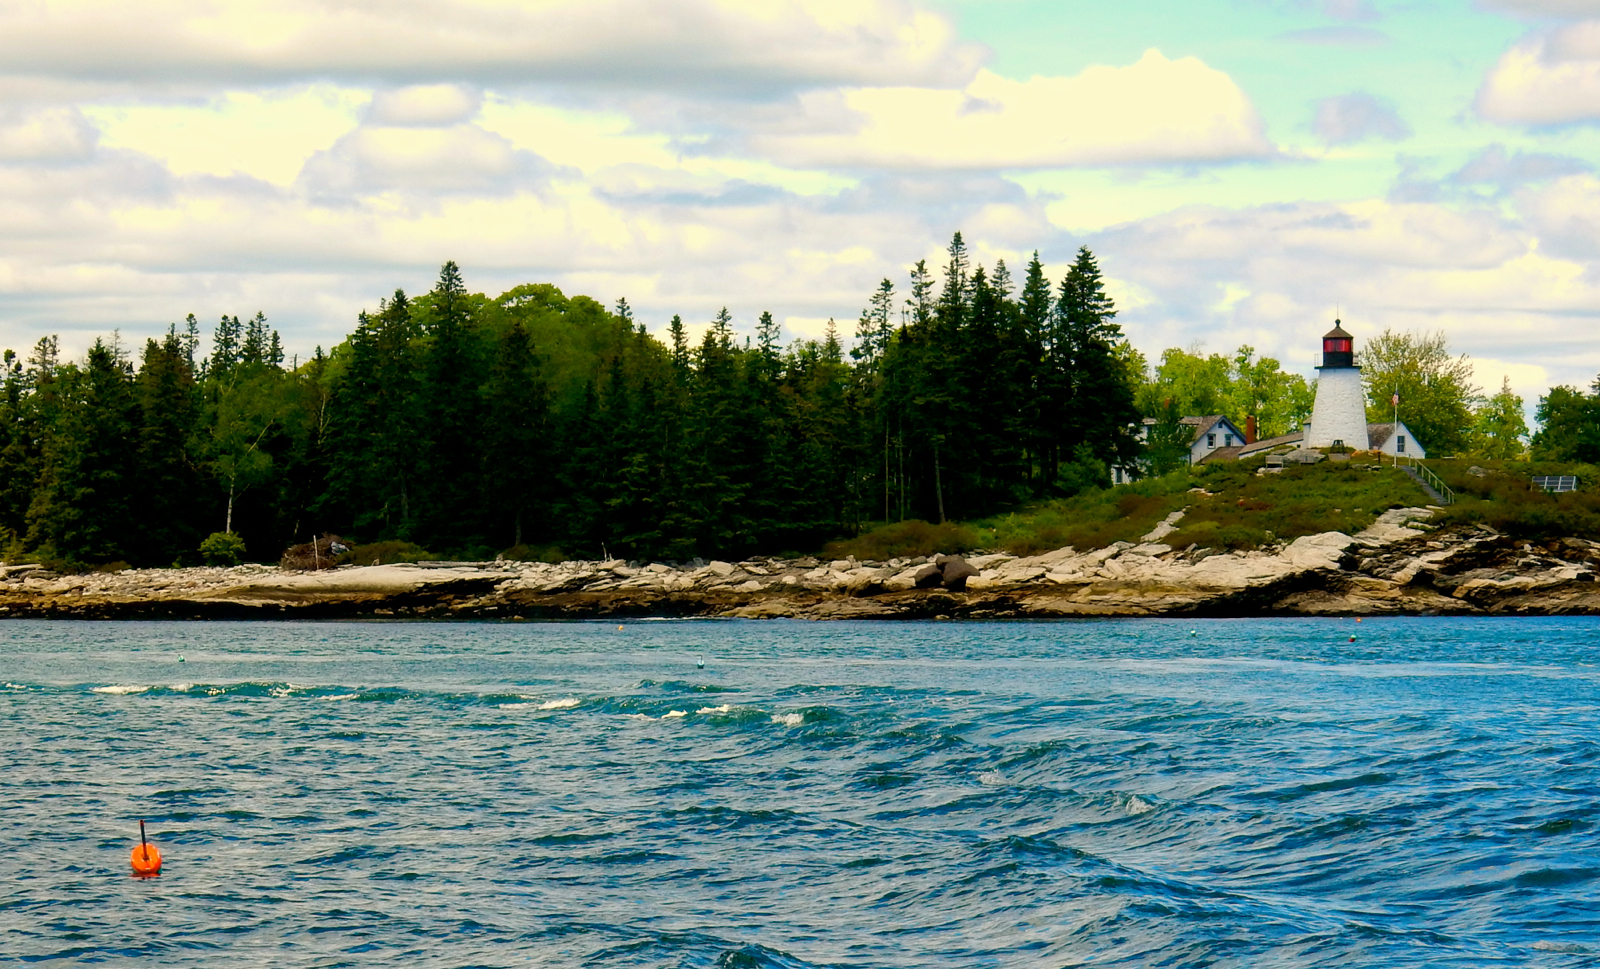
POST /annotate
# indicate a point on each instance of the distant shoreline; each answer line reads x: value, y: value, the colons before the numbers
x: 1392, y: 568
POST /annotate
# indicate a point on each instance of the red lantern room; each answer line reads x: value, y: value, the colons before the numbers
x: 1338, y: 348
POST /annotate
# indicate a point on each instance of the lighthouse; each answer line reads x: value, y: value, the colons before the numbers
x: 1339, y: 415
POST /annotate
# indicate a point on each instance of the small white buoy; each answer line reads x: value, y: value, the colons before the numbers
x: 180, y: 658
x: 700, y: 663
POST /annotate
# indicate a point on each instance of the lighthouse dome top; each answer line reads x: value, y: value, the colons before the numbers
x: 1338, y: 348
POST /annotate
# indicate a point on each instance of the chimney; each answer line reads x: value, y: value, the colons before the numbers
x: 1250, y: 429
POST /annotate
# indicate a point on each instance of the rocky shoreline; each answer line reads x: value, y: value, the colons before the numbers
x: 1397, y: 566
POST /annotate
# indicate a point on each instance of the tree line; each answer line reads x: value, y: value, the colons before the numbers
x: 541, y: 424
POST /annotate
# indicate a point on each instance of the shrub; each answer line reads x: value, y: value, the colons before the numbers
x: 550, y: 554
x: 384, y: 553
x: 320, y: 553
x: 906, y: 539
x: 222, y: 548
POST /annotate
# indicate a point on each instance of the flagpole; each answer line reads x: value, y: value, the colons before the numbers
x: 1393, y: 433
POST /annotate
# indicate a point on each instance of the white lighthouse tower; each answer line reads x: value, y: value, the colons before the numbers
x: 1340, y: 414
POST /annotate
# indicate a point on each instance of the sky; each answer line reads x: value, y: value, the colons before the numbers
x: 1243, y: 169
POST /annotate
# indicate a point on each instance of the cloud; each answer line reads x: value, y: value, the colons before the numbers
x: 451, y: 159
x: 1154, y: 110
x: 1486, y: 280
x: 1358, y: 117
x: 425, y: 104
x: 1496, y: 166
x: 1350, y: 10
x: 46, y: 135
x: 1572, y: 9
x: 265, y: 135
x: 733, y: 46
x: 1548, y: 78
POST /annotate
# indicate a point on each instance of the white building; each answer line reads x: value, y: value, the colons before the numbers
x: 1212, y: 433
x: 1339, y: 416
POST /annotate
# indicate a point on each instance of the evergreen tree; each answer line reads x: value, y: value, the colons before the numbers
x: 83, y: 510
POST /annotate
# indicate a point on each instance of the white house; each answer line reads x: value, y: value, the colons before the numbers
x: 1394, y: 439
x: 1212, y: 433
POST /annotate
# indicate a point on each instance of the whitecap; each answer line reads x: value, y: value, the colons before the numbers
x: 725, y: 708
x: 181, y: 687
x: 1569, y: 947
x: 640, y: 716
x: 566, y: 704
x: 119, y: 690
x: 789, y: 719
x: 15, y: 686
x: 1138, y: 805
x: 991, y: 778
x: 675, y: 714
x: 342, y: 696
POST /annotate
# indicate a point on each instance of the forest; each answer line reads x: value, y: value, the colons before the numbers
x: 538, y: 425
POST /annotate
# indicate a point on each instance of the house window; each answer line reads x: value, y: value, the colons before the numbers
x: 1400, y: 444
x: 1119, y: 476
x: 1211, y: 440
x: 1227, y: 440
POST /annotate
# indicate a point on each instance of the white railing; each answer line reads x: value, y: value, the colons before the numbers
x: 1432, y: 479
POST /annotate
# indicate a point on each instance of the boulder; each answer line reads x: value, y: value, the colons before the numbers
x: 956, y: 572
x: 929, y: 576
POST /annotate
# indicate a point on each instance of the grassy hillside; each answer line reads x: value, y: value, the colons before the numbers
x: 1228, y: 505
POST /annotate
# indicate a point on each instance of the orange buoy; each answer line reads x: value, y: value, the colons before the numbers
x: 146, y: 859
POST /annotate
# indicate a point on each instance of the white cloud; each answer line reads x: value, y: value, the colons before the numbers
x: 1546, y: 8
x: 1358, y: 116
x: 46, y: 135
x: 1484, y: 279
x: 264, y: 135
x: 1548, y: 78
x: 732, y: 45
x: 426, y: 105
x: 1154, y: 110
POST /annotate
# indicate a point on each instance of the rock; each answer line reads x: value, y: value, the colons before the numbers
x: 721, y: 568
x: 1166, y: 527
x: 1150, y: 549
x: 928, y: 577
x: 956, y: 572
x: 751, y: 586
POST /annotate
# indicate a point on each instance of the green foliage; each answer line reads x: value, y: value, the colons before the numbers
x: 1246, y: 510
x: 1089, y: 520
x: 906, y: 539
x: 222, y: 548
x: 1499, y: 431
x: 550, y: 554
x: 1435, y: 389
x: 1235, y: 386
x: 1500, y: 494
x: 1569, y: 425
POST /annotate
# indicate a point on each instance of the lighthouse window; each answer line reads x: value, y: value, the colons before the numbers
x: 1400, y: 444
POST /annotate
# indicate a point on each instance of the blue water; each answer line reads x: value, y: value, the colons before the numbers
x: 1250, y: 793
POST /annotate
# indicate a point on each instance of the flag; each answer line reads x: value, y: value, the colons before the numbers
x: 1395, y: 400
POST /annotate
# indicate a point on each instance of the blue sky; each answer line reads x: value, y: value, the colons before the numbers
x: 1242, y: 167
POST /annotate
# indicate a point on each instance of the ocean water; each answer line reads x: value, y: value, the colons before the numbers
x: 1250, y: 793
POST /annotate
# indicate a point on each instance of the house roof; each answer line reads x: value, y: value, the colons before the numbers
x: 1201, y: 424
x: 1222, y: 454
x: 1268, y: 444
x: 1378, y: 434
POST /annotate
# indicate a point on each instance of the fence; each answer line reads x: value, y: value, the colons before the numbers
x: 1445, y: 494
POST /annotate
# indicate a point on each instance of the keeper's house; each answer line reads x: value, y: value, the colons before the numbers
x: 1214, y: 436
